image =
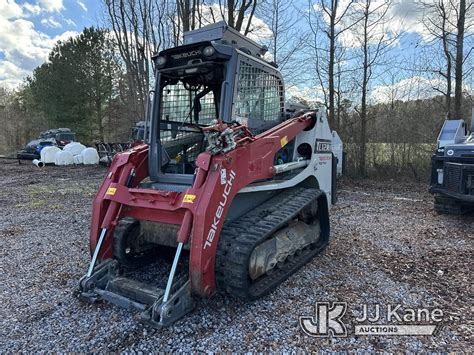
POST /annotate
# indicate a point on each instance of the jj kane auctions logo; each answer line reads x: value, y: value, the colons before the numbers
x: 375, y: 320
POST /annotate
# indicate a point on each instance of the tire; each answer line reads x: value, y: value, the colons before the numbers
x: 125, y: 242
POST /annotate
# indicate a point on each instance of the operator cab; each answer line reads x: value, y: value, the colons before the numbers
x: 217, y: 74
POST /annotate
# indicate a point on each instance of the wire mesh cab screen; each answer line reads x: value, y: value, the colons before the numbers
x: 258, y: 100
x: 184, y: 109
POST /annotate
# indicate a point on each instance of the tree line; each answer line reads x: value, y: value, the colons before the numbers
x: 98, y: 82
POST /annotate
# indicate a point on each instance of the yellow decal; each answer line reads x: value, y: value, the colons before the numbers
x: 284, y: 141
x: 189, y: 198
x: 111, y: 191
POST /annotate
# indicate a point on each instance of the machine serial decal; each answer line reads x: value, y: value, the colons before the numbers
x: 111, y: 191
x: 284, y: 141
x: 220, y: 209
x: 189, y: 198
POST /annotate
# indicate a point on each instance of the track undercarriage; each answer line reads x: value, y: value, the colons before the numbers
x: 255, y: 254
x: 233, y: 205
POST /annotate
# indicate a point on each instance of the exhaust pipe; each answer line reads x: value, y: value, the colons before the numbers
x: 38, y: 163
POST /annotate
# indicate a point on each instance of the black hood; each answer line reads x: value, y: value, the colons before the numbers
x: 461, y: 150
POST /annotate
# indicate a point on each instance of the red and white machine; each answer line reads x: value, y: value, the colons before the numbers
x: 229, y: 182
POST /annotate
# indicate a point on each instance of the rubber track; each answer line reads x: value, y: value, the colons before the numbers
x: 120, y: 233
x: 239, y: 237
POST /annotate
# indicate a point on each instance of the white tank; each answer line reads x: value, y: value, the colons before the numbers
x: 78, y: 159
x: 63, y: 158
x: 90, y: 156
x: 75, y: 148
x: 48, y: 153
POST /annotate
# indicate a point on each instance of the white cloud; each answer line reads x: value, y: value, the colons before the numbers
x: 413, y: 88
x: 22, y: 46
x: 70, y: 22
x: 11, y: 75
x: 62, y: 37
x: 50, y: 22
x: 312, y: 95
x: 82, y: 5
x: 9, y: 70
x: 382, y: 24
x: 259, y: 30
x: 406, y: 16
x: 9, y: 10
x: 32, y: 9
x: 52, y: 5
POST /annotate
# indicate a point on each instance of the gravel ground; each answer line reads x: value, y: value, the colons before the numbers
x: 388, y: 247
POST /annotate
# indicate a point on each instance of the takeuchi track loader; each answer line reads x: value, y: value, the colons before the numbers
x: 236, y: 187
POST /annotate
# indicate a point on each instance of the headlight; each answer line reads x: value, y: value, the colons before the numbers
x: 160, y: 61
x: 208, y: 51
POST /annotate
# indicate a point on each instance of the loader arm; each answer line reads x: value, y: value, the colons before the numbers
x: 202, y: 208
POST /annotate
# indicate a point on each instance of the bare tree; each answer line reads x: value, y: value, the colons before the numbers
x: 237, y: 10
x: 437, y: 24
x: 445, y: 21
x: 460, y: 27
x: 141, y: 28
x: 329, y: 18
x: 374, y: 43
x: 286, y: 40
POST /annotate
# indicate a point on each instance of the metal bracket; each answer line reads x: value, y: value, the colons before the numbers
x: 163, y: 314
x: 101, y: 275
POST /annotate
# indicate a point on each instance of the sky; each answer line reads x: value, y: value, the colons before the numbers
x: 30, y: 28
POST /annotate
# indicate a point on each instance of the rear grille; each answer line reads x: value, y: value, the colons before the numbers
x: 453, y: 177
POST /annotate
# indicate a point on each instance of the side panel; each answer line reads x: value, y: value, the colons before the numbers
x: 320, y: 166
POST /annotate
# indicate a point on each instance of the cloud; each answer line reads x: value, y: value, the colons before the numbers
x: 31, y: 9
x: 82, y: 5
x: 382, y: 25
x: 50, y: 22
x: 51, y: 5
x: 413, y: 88
x: 11, y: 75
x: 62, y: 37
x: 312, y: 95
x: 22, y: 46
x: 9, y: 70
x: 405, y: 16
x: 9, y: 10
x: 258, y: 31
x: 70, y: 22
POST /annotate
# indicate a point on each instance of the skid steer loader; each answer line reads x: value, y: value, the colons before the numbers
x: 232, y: 184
